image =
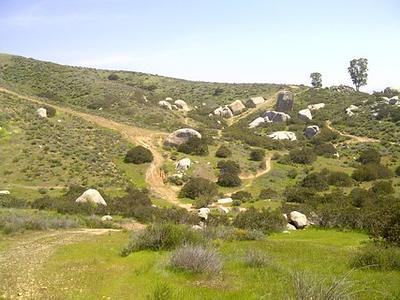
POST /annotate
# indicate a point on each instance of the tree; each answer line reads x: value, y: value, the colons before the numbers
x: 316, y: 79
x: 358, y: 72
x: 257, y: 154
x: 138, y: 155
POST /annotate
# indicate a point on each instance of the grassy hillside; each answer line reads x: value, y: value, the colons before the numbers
x: 58, y: 151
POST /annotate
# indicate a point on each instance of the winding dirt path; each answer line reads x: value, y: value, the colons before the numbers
x: 21, y: 263
x: 353, y: 139
x: 150, y: 139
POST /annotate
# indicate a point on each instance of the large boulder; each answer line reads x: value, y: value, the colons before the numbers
x: 203, y: 213
x: 165, y: 104
x: 254, y: 102
x: 225, y: 200
x: 183, y: 164
x: 93, y: 196
x: 316, y: 106
x: 351, y: 109
x: 283, y: 135
x: 284, y: 101
x: 223, y: 112
x: 311, y: 131
x: 275, y: 116
x: 181, y: 136
x: 394, y: 100
x: 256, y: 122
x: 106, y: 218
x: 290, y: 227
x: 42, y: 112
x: 297, y: 219
x: 5, y: 192
x: 305, y: 114
x: 180, y: 104
x: 236, y: 107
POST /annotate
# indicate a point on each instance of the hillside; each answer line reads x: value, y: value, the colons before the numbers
x: 304, y: 200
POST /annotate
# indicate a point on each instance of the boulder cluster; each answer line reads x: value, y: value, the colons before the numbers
x: 170, y: 104
x: 296, y: 220
x: 181, y: 136
x: 237, y: 107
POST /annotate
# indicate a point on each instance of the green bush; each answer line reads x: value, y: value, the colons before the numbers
x: 229, y: 180
x: 50, y: 111
x: 194, y: 146
x: 315, y: 181
x: 359, y: 196
x: 256, y: 259
x: 371, y: 172
x: 223, y: 152
x: 326, y: 150
x: 138, y: 155
x: 298, y: 194
x: 197, y: 187
x: 242, y: 195
x: 113, y: 77
x: 369, y: 156
x: 302, y: 156
x: 162, y: 237
x: 228, y: 166
x: 382, y: 188
x: 377, y: 256
x: 397, y: 171
x: 267, y: 193
x: 265, y: 220
x: 257, y: 154
x: 292, y: 173
x: 339, y: 179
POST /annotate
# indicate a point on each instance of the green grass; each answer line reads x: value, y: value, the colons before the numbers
x: 103, y: 273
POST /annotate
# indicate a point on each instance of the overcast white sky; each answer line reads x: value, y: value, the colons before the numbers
x: 278, y: 41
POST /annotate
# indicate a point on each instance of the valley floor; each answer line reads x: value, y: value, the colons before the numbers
x: 86, y: 265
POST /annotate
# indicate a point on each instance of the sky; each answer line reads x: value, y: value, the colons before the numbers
x: 279, y: 41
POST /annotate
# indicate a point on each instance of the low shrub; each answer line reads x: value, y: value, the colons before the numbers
x: 113, y: 77
x: 315, y: 181
x: 397, y: 171
x: 194, y: 146
x: 369, y: 156
x: 242, y: 196
x: 265, y: 220
x: 298, y: 194
x: 197, y: 187
x: 256, y: 259
x: 382, y: 188
x: 162, y: 236
x: 257, y: 154
x: 196, y: 259
x: 339, y: 179
x: 327, y: 150
x: 229, y: 180
x: 267, y: 193
x: 50, y: 111
x: 377, y: 256
x: 223, y: 152
x: 228, y: 166
x: 292, y: 173
x: 302, y: 156
x: 138, y: 155
x: 369, y: 172
x: 161, y: 291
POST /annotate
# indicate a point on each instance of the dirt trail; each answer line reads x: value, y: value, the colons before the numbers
x: 21, y: 263
x: 150, y: 139
x: 353, y: 138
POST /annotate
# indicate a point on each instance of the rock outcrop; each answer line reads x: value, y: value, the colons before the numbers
x: 275, y: 116
x: 183, y: 164
x: 203, y: 213
x: 180, y: 104
x: 256, y: 122
x: 311, y: 131
x: 283, y: 135
x: 42, y: 112
x: 181, y: 136
x: 225, y: 200
x: 305, y: 114
x: 236, y: 107
x: 93, y: 196
x: 4, y: 192
x: 165, y: 104
x: 297, y: 219
x: 223, y: 112
x: 284, y: 102
x: 254, y: 102
x: 351, y: 109
x: 316, y: 106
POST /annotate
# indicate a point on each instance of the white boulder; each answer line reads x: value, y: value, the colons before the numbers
x: 91, y: 195
x: 180, y: 104
x: 168, y: 99
x: 223, y: 112
x: 181, y: 136
x: 223, y: 209
x: 290, y: 227
x: 4, y: 192
x: 275, y: 116
x: 183, y: 164
x: 255, y: 101
x: 305, y: 114
x: 351, y: 109
x: 298, y: 219
x: 236, y: 107
x: 257, y: 122
x: 316, y: 106
x: 203, y: 212
x: 311, y: 131
x: 106, y: 218
x: 225, y: 200
x: 165, y: 104
x: 283, y: 135
x: 42, y: 112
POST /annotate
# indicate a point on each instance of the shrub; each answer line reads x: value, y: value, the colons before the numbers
x: 359, y: 196
x: 326, y: 150
x: 241, y: 195
x: 376, y: 256
x: 267, y: 193
x: 197, y: 187
x: 197, y: 259
x: 174, y: 215
x: 371, y: 172
x: 302, y: 156
x: 257, y: 154
x: 339, y: 215
x: 311, y: 287
x: 223, y: 152
x: 339, y: 179
x: 162, y: 237
x: 382, y: 187
x: 139, y: 155
x: 50, y: 111
x: 113, y: 77
x: 265, y: 220
x: 161, y: 291
x: 298, y: 194
x: 228, y: 166
x: 256, y: 259
x: 194, y: 146
x: 315, y: 181
x: 229, y: 180
x: 369, y: 156
x: 292, y: 173
x: 202, y: 201
x: 397, y: 171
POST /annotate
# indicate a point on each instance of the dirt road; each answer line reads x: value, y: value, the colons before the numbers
x: 353, y: 139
